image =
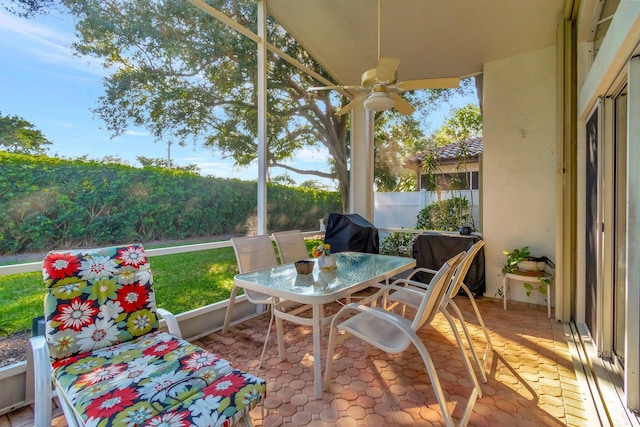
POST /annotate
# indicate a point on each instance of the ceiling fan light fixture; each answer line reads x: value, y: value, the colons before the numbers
x: 379, y: 101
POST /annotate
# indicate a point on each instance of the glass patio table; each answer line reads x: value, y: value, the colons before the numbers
x: 354, y: 272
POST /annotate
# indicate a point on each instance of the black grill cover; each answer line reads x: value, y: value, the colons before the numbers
x: 351, y: 232
x: 432, y: 250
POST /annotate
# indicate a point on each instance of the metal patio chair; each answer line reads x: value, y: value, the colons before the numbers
x: 394, y: 333
x: 291, y: 246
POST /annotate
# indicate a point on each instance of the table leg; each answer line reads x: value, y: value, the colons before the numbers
x: 549, y: 299
x: 282, y: 352
x: 232, y: 301
x: 317, y: 356
x: 504, y: 291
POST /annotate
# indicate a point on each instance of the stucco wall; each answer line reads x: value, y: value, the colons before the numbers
x: 519, y: 207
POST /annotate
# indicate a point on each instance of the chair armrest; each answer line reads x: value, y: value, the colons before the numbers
x: 172, y: 322
x: 374, y: 296
x: 344, y: 310
x: 42, y: 380
x: 407, y: 283
x: 421, y: 270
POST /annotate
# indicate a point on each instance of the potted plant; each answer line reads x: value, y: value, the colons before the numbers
x: 520, y: 261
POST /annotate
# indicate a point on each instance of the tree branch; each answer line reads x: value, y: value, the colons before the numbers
x: 303, y: 171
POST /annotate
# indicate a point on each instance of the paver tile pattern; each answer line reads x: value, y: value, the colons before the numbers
x: 531, y: 380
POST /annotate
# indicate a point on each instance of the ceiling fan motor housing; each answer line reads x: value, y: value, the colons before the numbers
x: 368, y: 78
x: 379, y: 101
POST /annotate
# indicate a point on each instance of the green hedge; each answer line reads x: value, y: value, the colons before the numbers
x: 48, y: 203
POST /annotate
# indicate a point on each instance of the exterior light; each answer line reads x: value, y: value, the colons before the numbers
x: 379, y: 101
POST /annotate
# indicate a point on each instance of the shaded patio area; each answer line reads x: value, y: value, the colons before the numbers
x: 531, y: 378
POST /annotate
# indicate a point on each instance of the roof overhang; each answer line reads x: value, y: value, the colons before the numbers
x: 432, y: 38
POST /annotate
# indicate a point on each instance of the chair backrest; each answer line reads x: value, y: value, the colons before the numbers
x: 436, y: 292
x: 291, y: 246
x: 254, y: 253
x: 96, y: 298
x: 463, y: 267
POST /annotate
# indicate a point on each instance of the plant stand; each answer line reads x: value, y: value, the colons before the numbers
x: 528, y: 278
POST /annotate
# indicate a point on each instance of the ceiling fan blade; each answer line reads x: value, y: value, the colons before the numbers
x: 350, y: 106
x: 315, y: 88
x: 441, y: 83
x: 402, y: 106
x: 386, y: 70
x: 346, y: 87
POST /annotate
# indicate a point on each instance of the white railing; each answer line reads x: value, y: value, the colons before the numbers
x: 16, y: 379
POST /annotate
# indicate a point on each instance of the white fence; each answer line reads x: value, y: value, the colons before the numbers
x: 400, y: 210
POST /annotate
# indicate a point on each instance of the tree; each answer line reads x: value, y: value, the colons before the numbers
x: 19, y: 136
x: 284, y: 179
x: 462, y: 124
x: 396, y: 137
x: 184, y: 75
x: 156, y: 162
x: 313, y: 184
x: 30, y: 8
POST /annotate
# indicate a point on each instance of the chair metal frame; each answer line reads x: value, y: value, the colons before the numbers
x: 253, y: 253
x: 411, y: 294
x: 394, y: 333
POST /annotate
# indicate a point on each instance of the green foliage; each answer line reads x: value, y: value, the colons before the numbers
x: 444, y: 215
x: 542, y: 287
x: 21, y: 297
x: 184, y: 76
x: 182, y: 282
x: 29, y: 8
x: 48, y: 203
x: 511, y: 265
x: 150, y: 162
x: 19, y: 136
x: 462, y: 124
x: 513, y: 258
x: 399, y: 244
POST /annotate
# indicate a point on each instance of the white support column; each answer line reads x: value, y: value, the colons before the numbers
x: 361, y: 189
x: 632, y: 350
x: 262, y: 117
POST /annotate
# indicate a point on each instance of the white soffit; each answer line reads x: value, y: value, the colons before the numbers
x: 432, y: 38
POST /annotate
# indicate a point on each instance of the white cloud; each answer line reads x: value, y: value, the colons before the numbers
x: 68, y: 125
x: 136, y: 133
x: 225, y: 169
x: 44, y: 40
x: 317, y: 155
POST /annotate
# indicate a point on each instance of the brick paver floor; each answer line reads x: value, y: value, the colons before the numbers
x: 531, y: 379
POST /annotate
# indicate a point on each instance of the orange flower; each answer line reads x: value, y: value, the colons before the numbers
x: 322, y: 249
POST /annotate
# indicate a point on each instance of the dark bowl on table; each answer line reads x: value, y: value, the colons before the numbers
x: 465, y: 230
x: 304, y: 266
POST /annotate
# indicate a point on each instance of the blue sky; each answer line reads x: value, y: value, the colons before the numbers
x: 46, y: 85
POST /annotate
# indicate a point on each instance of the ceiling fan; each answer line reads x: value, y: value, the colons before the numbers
x: 380, y: 88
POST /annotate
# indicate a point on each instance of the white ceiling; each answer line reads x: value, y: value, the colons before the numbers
x: 432, y: 38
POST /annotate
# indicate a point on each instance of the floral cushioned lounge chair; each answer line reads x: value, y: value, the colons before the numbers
x: 109, y: 362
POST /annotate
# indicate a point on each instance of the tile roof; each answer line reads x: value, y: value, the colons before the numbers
x: 448, y: 153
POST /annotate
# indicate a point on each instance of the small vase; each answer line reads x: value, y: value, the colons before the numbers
x: 327, y: 262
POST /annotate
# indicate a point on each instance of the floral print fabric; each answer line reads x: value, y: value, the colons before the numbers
x: 97, y: 298
x: 111, y: 362
x: 157, y: 380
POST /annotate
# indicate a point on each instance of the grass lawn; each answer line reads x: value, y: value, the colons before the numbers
x: 182, y: 282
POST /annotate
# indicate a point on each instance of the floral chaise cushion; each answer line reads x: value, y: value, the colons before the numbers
x: 112, y: 364
x: 157, y: 380
x: 96, y: 298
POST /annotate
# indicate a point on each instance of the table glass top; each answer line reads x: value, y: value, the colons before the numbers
x: 352, y: 268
